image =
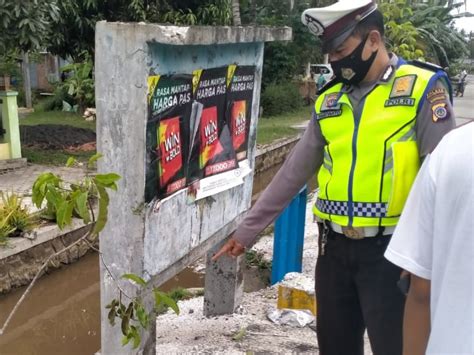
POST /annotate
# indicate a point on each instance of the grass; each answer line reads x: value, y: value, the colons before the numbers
x: 55, y: 157
x: 56, y: 117
x: 272, y: 128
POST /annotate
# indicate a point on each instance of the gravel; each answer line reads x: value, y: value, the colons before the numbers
x: 248, y: 330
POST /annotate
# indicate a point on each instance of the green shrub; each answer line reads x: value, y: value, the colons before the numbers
x: 280, y: 98
x: 79, y: 83
x: 15, y: 218
x: 55, y: 102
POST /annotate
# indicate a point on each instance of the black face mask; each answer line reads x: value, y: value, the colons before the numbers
x: 352, y: 69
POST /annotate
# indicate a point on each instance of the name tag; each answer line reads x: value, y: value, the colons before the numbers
x: 402, y: 101
x: 328, y: 113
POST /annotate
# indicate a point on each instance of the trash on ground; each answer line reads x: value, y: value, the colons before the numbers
x: 290, y: 317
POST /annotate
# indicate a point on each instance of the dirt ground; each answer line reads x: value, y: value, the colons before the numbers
x: 58, y: 137
x: 248, y: 331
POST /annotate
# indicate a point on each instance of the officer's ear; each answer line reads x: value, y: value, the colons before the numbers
x: 374, y: 40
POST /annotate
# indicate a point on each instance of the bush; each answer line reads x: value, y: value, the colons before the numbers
x: 15, y: 218
x: 280, y: 98
x: 55, y: 102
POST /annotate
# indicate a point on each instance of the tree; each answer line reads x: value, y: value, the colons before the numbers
x: 236, y: 12
x: 282, y: 61
x: 435, y: 22
x: 402, y: 36
x: 25, y: 25
x: 424, y: 25
x: 75, y: 27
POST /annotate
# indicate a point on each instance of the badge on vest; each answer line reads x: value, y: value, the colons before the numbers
x: 330, y: 102
x: 403, y: 86
x: 400, y: 101
x: 440, y: 112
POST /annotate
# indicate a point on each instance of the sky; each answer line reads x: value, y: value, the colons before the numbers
x: 466, y: 23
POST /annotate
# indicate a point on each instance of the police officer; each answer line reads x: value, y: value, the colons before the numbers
x: 372, y: 125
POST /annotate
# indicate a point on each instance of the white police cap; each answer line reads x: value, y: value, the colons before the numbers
x: 334, y: 23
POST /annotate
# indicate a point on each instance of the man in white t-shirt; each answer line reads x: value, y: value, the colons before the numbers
x: 434, y: 242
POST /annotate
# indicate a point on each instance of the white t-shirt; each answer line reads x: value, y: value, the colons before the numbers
x: 435, y: 240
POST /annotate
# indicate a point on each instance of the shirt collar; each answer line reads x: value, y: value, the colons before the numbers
x: 389, y: 71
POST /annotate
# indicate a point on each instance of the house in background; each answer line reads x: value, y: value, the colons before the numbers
x: 46, y: 71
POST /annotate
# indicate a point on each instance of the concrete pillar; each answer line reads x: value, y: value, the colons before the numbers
x: 223, y: 283
x: 10, y: 147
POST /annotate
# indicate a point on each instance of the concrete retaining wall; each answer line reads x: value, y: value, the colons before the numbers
x: 273, y: 154
x: 21, y: 259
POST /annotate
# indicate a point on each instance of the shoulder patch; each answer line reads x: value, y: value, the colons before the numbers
x: 437, y: 94
x: 403, y: 86
x: 440, y: 112
x: 426, y: 65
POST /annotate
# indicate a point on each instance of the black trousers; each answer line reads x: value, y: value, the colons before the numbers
x: 356, y: 288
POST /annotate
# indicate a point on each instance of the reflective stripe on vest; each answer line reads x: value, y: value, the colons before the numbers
x: 371, y: 157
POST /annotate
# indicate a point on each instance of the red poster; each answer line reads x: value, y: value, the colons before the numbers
x: 239, y: 119
x: 209, y: 134
x: 171, y: 157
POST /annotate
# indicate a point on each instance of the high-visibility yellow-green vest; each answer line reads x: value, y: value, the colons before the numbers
x: 371, y: 158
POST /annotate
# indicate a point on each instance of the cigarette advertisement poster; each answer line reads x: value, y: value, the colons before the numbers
x: 198, y: 127
x: 240, y: 84
x: 212, y: 150
x: 169, y: 103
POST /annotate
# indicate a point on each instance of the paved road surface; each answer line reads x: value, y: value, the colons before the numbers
x: 464, y: 106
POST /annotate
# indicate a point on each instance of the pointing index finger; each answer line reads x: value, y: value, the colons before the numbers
x: 224, y: 250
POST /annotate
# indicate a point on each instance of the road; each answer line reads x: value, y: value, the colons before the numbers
x: 464, y: 106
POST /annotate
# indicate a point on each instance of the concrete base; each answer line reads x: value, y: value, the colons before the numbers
x: 224, y: 286
x: 11, y: 164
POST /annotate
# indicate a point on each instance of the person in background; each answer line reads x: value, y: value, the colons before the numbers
x: 462, y: 82
x: 434, y: 242
x: 371, y: 126
x: 321, y: 80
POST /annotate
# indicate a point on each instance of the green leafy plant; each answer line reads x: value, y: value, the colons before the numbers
x: 80, y: 83
x: 15, y: 218
x: 215, y: 13
x: 5, y: 228
x: 255, y: 258
x: 134, y: 316
x: 65, y: 201
x: 9, y: 66
x: 402, y: 36
x: 20, y: 217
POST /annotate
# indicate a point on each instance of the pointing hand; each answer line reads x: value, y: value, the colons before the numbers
x: 232, y: 248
